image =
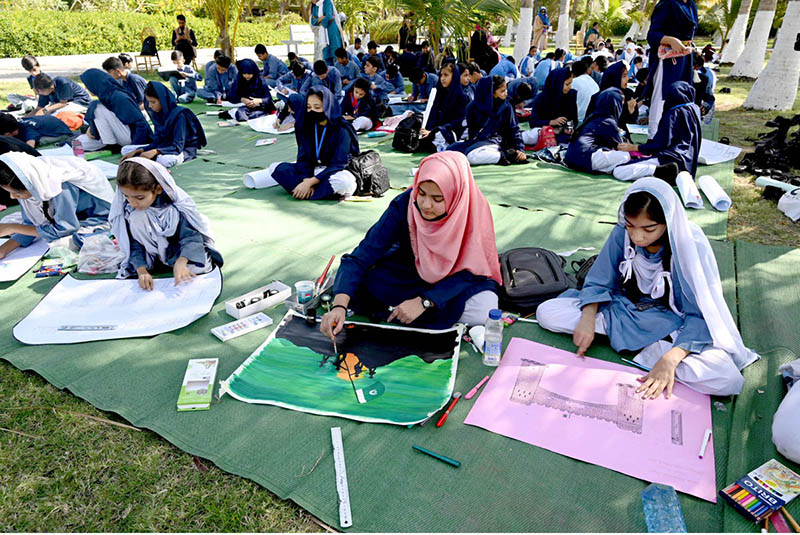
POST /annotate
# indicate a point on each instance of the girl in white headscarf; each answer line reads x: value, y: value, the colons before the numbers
x: 655, y: 288
x: 158, y: 226
x: 60, y: 197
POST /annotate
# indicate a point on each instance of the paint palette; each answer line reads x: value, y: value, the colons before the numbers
x: 242, y: 326
x: 763, y: 491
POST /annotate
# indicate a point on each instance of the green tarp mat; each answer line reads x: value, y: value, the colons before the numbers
x: 769, y: 308
x: 502, y: 485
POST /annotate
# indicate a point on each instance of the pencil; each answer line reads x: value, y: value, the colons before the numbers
x: 791, y: 520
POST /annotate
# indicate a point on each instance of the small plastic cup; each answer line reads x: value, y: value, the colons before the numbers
x: 305, y: 291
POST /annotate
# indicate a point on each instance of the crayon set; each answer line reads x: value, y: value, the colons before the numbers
x: 763, y: 491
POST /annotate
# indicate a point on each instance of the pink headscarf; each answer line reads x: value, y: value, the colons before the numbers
x: 464, y: 238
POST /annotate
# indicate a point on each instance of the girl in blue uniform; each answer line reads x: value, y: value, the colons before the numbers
x: 325, y: 145
x: 676, y: 145
x: 178, y: 132
x: 358, y: 106
x: 251, y: 90
x: 655, y: 289
x: 494, y: 135
x: 116, y: 118
x: 556, y: 105
x: 446, y: 118
x: 616, y: 76
x: 594, y: 148
x: 430, y: 261
x: 61, y: 198
x: 672, y: 25
x: 158, y: 226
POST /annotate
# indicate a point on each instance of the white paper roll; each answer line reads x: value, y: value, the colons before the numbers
x: 260, y: 179
x: 714, y: 193
x: 691, y: 197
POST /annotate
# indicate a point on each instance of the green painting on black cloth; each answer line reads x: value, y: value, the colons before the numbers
x: 382, y: 373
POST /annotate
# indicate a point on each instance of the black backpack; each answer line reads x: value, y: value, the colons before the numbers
x: 372, y: 178
x: 406, y: 135
x: 149, y: 46
x: 582, y: 268
x: 531, y: 276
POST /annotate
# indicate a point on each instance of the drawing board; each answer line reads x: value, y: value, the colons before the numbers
x: 106, y: 309
x: 587, y: 409
x: 380, y: 373
x: 21, y: 260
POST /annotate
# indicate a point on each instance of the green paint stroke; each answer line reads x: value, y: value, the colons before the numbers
x: 289, y: 374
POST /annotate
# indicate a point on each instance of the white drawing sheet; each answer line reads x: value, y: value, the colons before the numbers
x: 266, y: 124
x: 21, y: 259
x: 88, y: 310
x: 712, y: 152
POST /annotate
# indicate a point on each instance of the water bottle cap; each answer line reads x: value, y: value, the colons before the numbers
x: 495, y: 314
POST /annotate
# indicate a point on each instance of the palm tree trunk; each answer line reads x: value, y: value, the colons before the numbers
x: 736, y: 37
x: 524, y: 30
x: 776, y: 87
x: 587, y: 10
x: 509, y: 32
x: 635, y: 26
x: 564, y: 27
x: 751, y: 61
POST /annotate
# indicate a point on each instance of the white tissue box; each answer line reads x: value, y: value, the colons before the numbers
x: 284, y: 292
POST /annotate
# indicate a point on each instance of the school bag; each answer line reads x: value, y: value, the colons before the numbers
x: 372, y: 178
x: 406, y: 135
x: 149, y: 46
x: 531, y: 276
x: 582, y: 268
x: 547, y: 138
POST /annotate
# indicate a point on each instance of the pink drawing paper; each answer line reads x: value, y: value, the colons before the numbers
x: 586, y: 409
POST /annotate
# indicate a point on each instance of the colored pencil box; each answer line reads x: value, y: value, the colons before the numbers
x: 763, y: 491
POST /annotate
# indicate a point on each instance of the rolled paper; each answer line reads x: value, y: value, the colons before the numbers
x: 765, y: 181
x: 714, y: 192
x: 259, y: 179
x: 688, y: 189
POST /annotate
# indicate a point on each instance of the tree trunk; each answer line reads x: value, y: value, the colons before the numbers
x: 509, y: 32
x: 564, y: 27
x: 524, y: 31
x: 736, y: 37
x: 776, y: 87
x: 586, y: 12
x: 751, y: 61
x: 224, y: 42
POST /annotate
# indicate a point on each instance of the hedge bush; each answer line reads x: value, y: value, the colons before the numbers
x: 49, y: 33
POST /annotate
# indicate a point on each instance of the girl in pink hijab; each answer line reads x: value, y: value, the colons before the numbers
x: 431, y: 259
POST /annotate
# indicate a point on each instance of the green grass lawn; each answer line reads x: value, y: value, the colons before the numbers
x: 65, y: 468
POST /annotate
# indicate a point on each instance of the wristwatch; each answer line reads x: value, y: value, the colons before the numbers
x: 427, y: 303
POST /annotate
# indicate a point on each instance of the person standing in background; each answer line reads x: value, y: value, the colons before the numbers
x: 184, y: 40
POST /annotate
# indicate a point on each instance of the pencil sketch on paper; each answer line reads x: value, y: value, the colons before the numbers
x: 677, y: 427
x: 626, y: 414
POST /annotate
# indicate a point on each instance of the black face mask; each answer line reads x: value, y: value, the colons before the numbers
x: 316, y: 116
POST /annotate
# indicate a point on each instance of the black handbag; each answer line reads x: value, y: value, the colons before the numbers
x: 531, y: 276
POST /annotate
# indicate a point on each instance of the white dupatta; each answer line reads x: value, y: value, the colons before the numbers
x: 44, y: 176
x: 154, y: 225
x: 697, y: 268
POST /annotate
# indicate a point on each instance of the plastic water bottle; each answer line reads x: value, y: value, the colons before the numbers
x: 493, y: 338
x: 77, y: 148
